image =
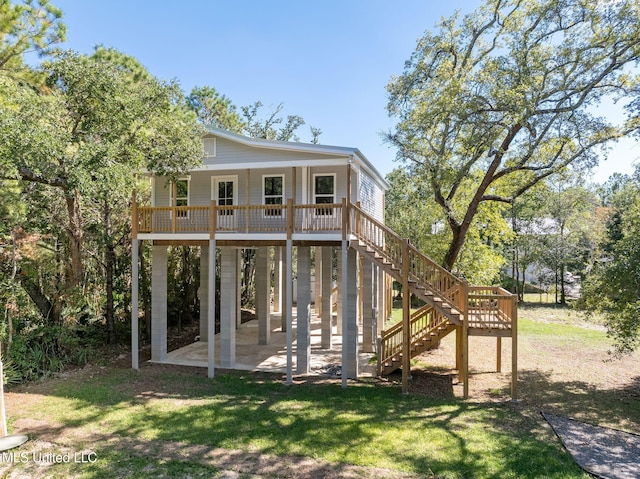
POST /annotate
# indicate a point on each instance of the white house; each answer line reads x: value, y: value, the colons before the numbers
x: 276, y: 196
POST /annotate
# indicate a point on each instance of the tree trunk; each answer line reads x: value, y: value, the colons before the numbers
x: 76, y: 234
x: 563, y: 299
x: 48, y: 309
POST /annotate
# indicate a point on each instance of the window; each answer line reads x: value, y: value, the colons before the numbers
x: 209, y: 147
x: 180, y: 188
x: 273, y: 194
x: 324, y: 190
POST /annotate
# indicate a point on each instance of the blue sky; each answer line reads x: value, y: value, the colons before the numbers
x: 326, y: 60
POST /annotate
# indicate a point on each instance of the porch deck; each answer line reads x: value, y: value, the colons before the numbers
x: 272, y: 357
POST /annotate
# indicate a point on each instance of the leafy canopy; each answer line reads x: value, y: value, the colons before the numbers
x: 29, y: 26
x: 494, y: 102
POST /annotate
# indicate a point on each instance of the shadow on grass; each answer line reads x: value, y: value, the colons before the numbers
x: 616, y: 407
x: 131, y: 413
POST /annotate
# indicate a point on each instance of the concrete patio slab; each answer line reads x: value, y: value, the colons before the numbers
x: 272, y: 357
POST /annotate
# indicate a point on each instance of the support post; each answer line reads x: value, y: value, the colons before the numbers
x: 135, y: 221
x: 406, y: 318
x: 340, y: 293
x: 134, y: 301
x: 514, y: 348
x: 203, y: 293
x: 459, y: 353
x: 350, y: 314
x: 263, y: 310
x: 277, y: 279
x: 465, y: 338
x: 286, y: 266
x: 211, y: 309
x: 344, y: 288
x: 159, y: 303
x: 303, y: 330
x: 288, y: 307
x: 327, y: 313
x: 499, y: 354
x: 382, y: 301
x: 368, y: 320
x: 228, y: 306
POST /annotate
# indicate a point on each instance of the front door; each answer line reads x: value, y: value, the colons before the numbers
x: 225, y: 191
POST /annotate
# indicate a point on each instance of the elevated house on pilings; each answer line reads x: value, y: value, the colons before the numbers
x: 275, y: 196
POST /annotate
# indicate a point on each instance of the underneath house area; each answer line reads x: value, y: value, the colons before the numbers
x: 272, y: 358
x: 301, y: 320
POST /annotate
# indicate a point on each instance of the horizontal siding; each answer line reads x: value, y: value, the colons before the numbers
x: 364, y: 188
x: 371, y: 196
x: 229, y: 152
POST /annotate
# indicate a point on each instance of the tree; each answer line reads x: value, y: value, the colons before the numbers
x: 86, y: 140
x: 490, y: 105
x: 613, y: 287
x: 410, y: 198
x: 571, y: 244
x: 30, y: 26
x: 214, y: 109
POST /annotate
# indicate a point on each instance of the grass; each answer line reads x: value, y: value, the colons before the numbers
x: 171, y: 422
x: 366, y: 424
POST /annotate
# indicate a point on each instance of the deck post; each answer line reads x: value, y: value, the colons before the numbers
x: 277, y: 279
x: 134, y: 300
x: 327, y: 313
x: 263, y: 309
x: 303, y: 330
x: 382, y: 301
x: 135, y: 221
x: 159, y: 303
x: 499, y: 354
x: 228, y: 305
x: 339, y: 296
x: 211, y: 309
x: 174, y: 211
x: 459, y: 353
x: 288, y: 309
x: 203, y: 293
x: 212, y: 219
x: 368, y: 320
x: 350, y: 318
x: 514, y: 348
x: 406, y: 313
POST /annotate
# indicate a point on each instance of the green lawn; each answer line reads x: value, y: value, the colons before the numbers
x: 366, y: 424
x: 164, y: 421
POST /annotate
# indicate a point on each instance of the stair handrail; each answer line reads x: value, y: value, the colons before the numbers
x: 421, y: 325
x: 421, y: 268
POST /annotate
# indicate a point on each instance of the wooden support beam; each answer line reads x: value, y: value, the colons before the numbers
x: 212, y: 219
x: 465, y: 339
x: 134, y: 216
x: 291, y: 216
x: 498, y: 354
x: 514, y: 349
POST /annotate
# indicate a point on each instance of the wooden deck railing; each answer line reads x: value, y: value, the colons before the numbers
x: 173, y: 219
x: 491, y: 307
x: 239, y: 218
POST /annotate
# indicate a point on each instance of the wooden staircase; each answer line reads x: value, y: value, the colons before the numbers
x: 451, y: 304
